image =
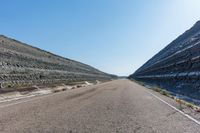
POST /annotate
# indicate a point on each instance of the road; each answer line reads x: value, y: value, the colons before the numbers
x: 119, y: 106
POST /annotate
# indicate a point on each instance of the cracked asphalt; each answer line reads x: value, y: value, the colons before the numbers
x: 119, y: 106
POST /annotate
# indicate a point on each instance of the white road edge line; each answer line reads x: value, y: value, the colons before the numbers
x: 184, y: 114
x: 17, y: 98
x: 33, y: 98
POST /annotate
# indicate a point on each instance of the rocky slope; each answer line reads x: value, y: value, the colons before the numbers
x: 22, y: 65
x: 176, y: 67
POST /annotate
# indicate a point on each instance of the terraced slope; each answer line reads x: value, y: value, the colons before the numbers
x: 22, y: 65
x: 176, y: 67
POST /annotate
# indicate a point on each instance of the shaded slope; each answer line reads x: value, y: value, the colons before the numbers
x: 177, y: 66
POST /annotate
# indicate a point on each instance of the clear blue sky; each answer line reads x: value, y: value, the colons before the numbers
x: 115, y: 36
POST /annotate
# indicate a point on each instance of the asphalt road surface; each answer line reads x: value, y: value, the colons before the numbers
x: 119, y: 106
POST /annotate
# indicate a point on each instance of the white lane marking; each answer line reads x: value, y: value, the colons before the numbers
x: 184, y: 114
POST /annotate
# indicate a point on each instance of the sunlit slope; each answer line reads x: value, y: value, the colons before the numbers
x: 22, y: 64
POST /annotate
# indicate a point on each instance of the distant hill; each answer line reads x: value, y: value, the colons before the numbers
x: 22, y: 64
x: 176, y: 67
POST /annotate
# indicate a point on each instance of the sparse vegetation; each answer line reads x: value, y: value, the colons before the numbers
x: 162, y: 91
x: 166, y: 93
